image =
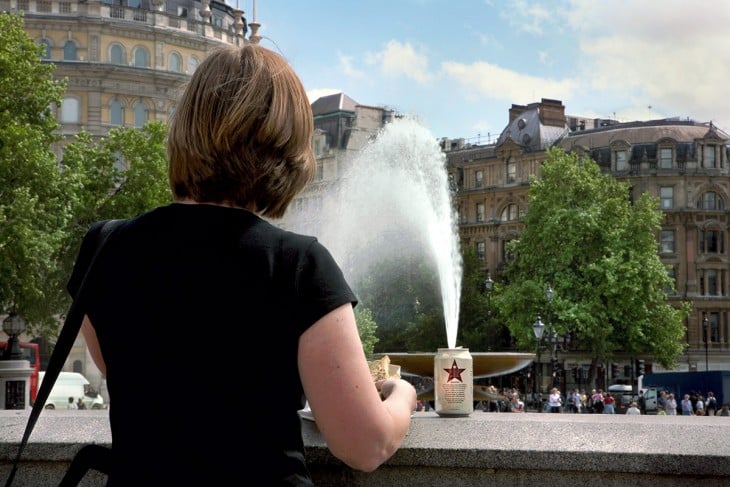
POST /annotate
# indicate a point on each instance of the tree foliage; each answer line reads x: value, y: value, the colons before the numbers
x: 32, y: 217
x: 366, y: 328
x: 585, y: 238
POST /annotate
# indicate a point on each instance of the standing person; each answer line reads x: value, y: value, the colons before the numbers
x: 633, y: 409
x: 662, y: 400
x: 597, y: 399
x: 240, y: 148
x: 642, y: 402
x: 555, y: 401
x: 687, y: 406
x: 80, y: 404
x: 700, y: 406
x: 608, y: 404
x: 671, y: 405
x: 72, y: 403
x: 711, y: 403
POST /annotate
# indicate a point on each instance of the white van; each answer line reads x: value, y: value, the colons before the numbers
x: 71, y: 384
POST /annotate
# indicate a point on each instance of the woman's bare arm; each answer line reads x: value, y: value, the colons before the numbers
x: 359, y: 427
x: 92, y: 343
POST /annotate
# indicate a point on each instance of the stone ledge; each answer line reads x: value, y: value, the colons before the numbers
x: 484, y: 448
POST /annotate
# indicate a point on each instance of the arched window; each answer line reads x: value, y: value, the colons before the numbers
x: 116, y: 54
x: 116, y: 113
x: 510, y: 212
x: 140, y: 57
x: 69, y: 51
x: 70, y: 110
x: 192, y: 64
x: 140, y: 114
x: 174, y: 62
x: 710, y: 201
x: 46, y: 49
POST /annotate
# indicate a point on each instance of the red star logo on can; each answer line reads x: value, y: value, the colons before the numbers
x: 454, y: 372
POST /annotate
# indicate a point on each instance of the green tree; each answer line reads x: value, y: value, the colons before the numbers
x: 366, y: 328
x: 585, y: 238
x: 118, y: 176
x: 32, y: 216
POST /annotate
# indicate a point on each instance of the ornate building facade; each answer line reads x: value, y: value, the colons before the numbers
x: 683, y: 163
x: 125, y: 59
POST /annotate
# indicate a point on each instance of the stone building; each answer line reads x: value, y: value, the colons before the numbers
x: 125, y: 59
x: 684, y: 163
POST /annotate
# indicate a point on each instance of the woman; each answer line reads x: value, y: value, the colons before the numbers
x: 173, y: 289
x: 555, y: 401
x: 671, y: 405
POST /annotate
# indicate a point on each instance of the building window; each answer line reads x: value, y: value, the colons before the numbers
x: 116, y: 54
x: 713, y: 320
x: 140, y: 114
x: 192, y: 64
x: 480, y: 212
x: 116, y: 113
x: 511, y: 170
x: 510, y: 213
x: 667, y: 243
x: 69, y: 51
x: 712, y: 242
x: 140, y: 57
x: 666, y: 194
x: 665, y: 158
x: 70, y: 110
x: 709, y: 282
x: 481, y: 250
x: 174, y: 62
x: 621, y: 160
x: 710, y: 201
x: 479, y: 178
x: 708, y: 161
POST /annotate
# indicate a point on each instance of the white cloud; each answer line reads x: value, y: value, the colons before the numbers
x: 529, y: 16
x: 398, y: 59
x: 679, y: 60
x: 485, y: 80
x: 346, y: 62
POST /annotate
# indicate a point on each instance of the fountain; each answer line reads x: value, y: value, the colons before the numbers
x: 394, y: 200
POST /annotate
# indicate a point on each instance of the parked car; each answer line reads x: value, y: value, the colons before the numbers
x: 72, y: 384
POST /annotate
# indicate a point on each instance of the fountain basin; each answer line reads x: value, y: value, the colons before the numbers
x: 485, y: 364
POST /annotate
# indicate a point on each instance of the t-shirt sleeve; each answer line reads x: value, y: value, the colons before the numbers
x: 321, y: 284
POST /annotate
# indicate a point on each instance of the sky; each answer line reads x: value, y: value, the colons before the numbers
x: 458, y: 66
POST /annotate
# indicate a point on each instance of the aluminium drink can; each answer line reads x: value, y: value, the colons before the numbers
x: 453, y: 380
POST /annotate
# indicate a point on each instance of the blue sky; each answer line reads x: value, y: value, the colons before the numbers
x: 459, y: 65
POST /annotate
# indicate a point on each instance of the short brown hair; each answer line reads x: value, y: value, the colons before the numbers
x: 242, y: 132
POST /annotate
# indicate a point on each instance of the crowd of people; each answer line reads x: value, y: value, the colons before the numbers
x: 600, y: 402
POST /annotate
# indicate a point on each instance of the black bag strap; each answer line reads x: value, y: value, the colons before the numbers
x: 64, y: 343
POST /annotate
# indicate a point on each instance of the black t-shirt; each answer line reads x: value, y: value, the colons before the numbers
x: 198, y: 310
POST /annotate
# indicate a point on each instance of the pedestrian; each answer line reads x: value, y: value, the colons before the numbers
x: 633, y: 409
x: 80, y: 403
x: 671, y: 406
x: 609, y: 404
x: 686, y: 404
x: 699, y: 406
x: 597, y: 401
x: 660, y: 410
x: 724, y: 410
x: 72, y: 403
x: 642, y: 402
x: 239, y: 149
x: 555, y: 401
x: 711, y: 403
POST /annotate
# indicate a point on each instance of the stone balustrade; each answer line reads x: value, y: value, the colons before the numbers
x: 482, y: 449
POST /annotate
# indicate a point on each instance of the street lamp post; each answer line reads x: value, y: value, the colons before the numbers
x: 706, y: 322
x: 538, y: 327
x: 488, y: 286
x: 13, y: 326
